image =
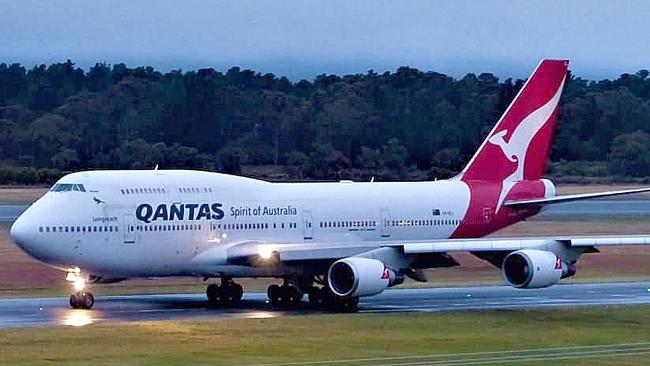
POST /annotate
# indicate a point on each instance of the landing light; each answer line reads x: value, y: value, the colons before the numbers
x: 79, y: 284
x: 265, y: 252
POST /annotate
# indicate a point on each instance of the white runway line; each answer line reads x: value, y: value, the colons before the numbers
x: 533, y: 356
x: 570, y: 351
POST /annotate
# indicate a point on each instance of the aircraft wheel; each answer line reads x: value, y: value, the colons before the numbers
x: 316, y: 297
x: 232, y: 293
x: 238, y: 292
x: 82, y: 300
x: 347, y: 305
x: 332, y: 302
x: 274, y: 294
x: 215, y: 294
x: 291, y: 296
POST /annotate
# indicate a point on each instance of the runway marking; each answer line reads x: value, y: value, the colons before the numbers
x: 540, y: 358
x: 643, y: 347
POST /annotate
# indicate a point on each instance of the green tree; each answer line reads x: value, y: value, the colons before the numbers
x: 630, y: 154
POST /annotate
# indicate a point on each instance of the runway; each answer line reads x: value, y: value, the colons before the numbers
x: 29, y: 312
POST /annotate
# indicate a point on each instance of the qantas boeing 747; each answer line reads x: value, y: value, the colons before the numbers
x: 336, y: 241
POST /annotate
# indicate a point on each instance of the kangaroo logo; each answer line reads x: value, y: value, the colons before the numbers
x: 517, y: 145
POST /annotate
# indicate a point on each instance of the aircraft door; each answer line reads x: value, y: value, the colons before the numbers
x: 308, y: 230
x: 385, y: 223
x: 129, y: 229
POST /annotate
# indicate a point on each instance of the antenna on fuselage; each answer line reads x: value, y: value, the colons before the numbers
x: 156, y: 167
x: 372, y: 179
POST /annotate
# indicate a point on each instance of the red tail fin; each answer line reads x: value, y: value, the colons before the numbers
x: 517, y: 147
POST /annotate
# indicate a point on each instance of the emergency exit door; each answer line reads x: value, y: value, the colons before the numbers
x: 385, y: 223
x: 308, y: 229
x: 129, y: 229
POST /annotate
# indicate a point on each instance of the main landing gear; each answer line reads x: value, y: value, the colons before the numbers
x: 324, y: 298
x: 286, y: 295
x: 227, y: 294
x: 289, y: 295
x: 81, y: 298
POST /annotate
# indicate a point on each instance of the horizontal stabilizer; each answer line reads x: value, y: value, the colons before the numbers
x: 571, y: 197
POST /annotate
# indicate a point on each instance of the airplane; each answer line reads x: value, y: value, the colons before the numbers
x: 334, y: 241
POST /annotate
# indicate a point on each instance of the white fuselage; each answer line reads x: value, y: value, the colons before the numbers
x: 115, y: 227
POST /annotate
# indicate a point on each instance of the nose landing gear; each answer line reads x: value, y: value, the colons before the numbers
x: 80, y: 299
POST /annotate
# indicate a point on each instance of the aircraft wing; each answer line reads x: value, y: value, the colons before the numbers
x: 249, y: 253
x: 571, y: 197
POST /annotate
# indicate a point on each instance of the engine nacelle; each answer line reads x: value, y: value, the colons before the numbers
x: 532, y: 268
x: 355, y: 276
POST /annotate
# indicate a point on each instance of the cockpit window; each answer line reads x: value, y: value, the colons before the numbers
x: 64, y: 187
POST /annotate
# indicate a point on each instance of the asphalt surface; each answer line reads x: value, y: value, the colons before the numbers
x: 29, y: 312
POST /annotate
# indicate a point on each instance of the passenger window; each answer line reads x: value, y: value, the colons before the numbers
x: 40, y: 229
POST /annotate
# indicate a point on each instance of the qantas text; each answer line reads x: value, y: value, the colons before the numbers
x: 188, y: 211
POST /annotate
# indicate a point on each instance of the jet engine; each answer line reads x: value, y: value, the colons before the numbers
x: 532, y: 268
x: 355, y: 277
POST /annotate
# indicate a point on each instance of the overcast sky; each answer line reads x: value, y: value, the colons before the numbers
x: 301, y: 39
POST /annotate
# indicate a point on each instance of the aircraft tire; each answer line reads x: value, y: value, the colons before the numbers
x: 232, y: 293
x: 214, y: 293
x: 82, y: 300
x: 273, y: 292
x: 347, y: 305
x: 315, y: 296
x: 291, y: 296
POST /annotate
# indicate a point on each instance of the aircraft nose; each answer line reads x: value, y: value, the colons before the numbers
x: 21, y: 233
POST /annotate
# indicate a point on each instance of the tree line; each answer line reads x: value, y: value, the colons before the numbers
x: 402, y: 125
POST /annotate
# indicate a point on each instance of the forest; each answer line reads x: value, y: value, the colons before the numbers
x: 402, y: 125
